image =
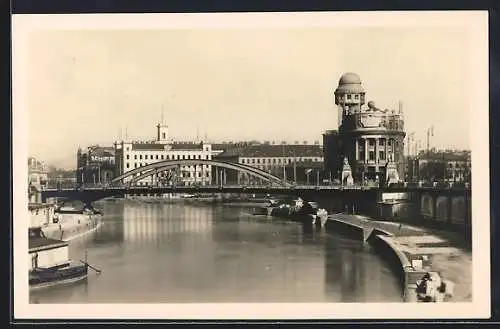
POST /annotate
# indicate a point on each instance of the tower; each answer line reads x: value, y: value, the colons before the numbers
x: 349, y: 95
x: 161, y: 133
x: 371, y: 139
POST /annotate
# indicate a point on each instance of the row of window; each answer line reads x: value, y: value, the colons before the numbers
x: 277, y: 160
x: 348, y: 96
x: 371, y: 155
x: 168, y: 157
x: 138, y: 165
x: 381, y: 142
x: 207, y: 148
x: 457, y: 165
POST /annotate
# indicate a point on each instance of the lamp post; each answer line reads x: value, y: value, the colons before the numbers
x: 284, y: 170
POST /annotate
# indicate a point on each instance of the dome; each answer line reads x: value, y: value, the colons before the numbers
x: 350, y: 89
x: 349, y: 78
x: 350, y: 83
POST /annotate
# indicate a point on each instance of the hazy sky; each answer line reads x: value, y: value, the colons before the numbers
x: 237, y: 84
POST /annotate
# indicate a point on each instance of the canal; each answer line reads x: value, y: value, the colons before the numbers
x: 175, y: 253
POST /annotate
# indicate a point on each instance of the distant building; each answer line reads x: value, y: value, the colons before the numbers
x: 95, y: 165
x: 434, y: 165
x: 62, y: 178
x: 279, y: 160
x: 37, y: 179
x: 367, y: 136
x: 130, y: 155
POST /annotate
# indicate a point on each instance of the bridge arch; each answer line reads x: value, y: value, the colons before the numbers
x: 152, y: 172
x: 153, y: 168
x: 426, y: 208
x: 442, y: 208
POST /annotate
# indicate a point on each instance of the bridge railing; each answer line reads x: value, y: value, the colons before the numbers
x: 120, y: 186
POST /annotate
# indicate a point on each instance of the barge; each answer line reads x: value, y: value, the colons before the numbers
x: 49, y: 262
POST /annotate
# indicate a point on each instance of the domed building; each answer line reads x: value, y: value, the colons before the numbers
x: 369, y: 137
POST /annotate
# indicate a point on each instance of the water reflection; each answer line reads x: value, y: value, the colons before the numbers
x: 353, y: 273
x: 187, y: 253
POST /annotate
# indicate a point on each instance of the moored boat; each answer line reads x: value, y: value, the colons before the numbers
x: 50, y: 263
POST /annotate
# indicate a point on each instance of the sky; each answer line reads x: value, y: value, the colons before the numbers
x: 82, y: 86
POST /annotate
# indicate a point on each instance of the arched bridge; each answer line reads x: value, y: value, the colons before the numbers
x: 140, y: 173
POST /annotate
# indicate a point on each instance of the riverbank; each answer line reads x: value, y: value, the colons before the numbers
x: 414, y: 250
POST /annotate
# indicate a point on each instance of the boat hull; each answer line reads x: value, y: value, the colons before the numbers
x: 41, y: 279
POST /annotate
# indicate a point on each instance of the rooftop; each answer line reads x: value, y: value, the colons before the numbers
x: 447, y: 155
x: 178, y: 146
x: 40, y: 243
x: 266, y: 150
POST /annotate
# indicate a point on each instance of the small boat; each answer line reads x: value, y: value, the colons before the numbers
x: 50, y: 264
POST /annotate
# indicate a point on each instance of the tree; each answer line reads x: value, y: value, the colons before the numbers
x: 432, y: 171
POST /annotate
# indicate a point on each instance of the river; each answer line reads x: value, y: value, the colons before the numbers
x: 175, y: 253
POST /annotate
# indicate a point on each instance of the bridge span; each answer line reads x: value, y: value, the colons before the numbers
x: 442, y: 205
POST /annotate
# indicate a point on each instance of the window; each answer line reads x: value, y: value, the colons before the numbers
x: 361, y: 153
x: 258, y: 160
x: 128, y: 148
x: 242, y: 160
x: 348, y: 96
x: 140, y: 157
x: 381, y: 142
x: 371, y: 156
x: 389, y: 142
x: 135, y: 165
x: 135, y: 157
x: 274, y: 160
x: 157, y: 157
x: 381, y: 155
x: 162, y: 156
x: 371, y: 142
x: 127, y: 165
x: 128, y: 157
x: 207, y: 157
x: 356, y: 96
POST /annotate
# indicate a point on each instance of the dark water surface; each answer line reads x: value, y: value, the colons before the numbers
x: 173, y: 253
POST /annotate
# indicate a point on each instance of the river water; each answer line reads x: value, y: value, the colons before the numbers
x: 175, y: 253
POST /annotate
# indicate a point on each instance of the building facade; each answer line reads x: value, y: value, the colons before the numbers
x: 37, y: 179
x: 436, y: 166
x: 367, y: 136
x: 130, y: 155
x: 292, y: 162
x: 95, y: 165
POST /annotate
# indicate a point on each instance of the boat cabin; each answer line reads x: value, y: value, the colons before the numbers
x: 46, y: 253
